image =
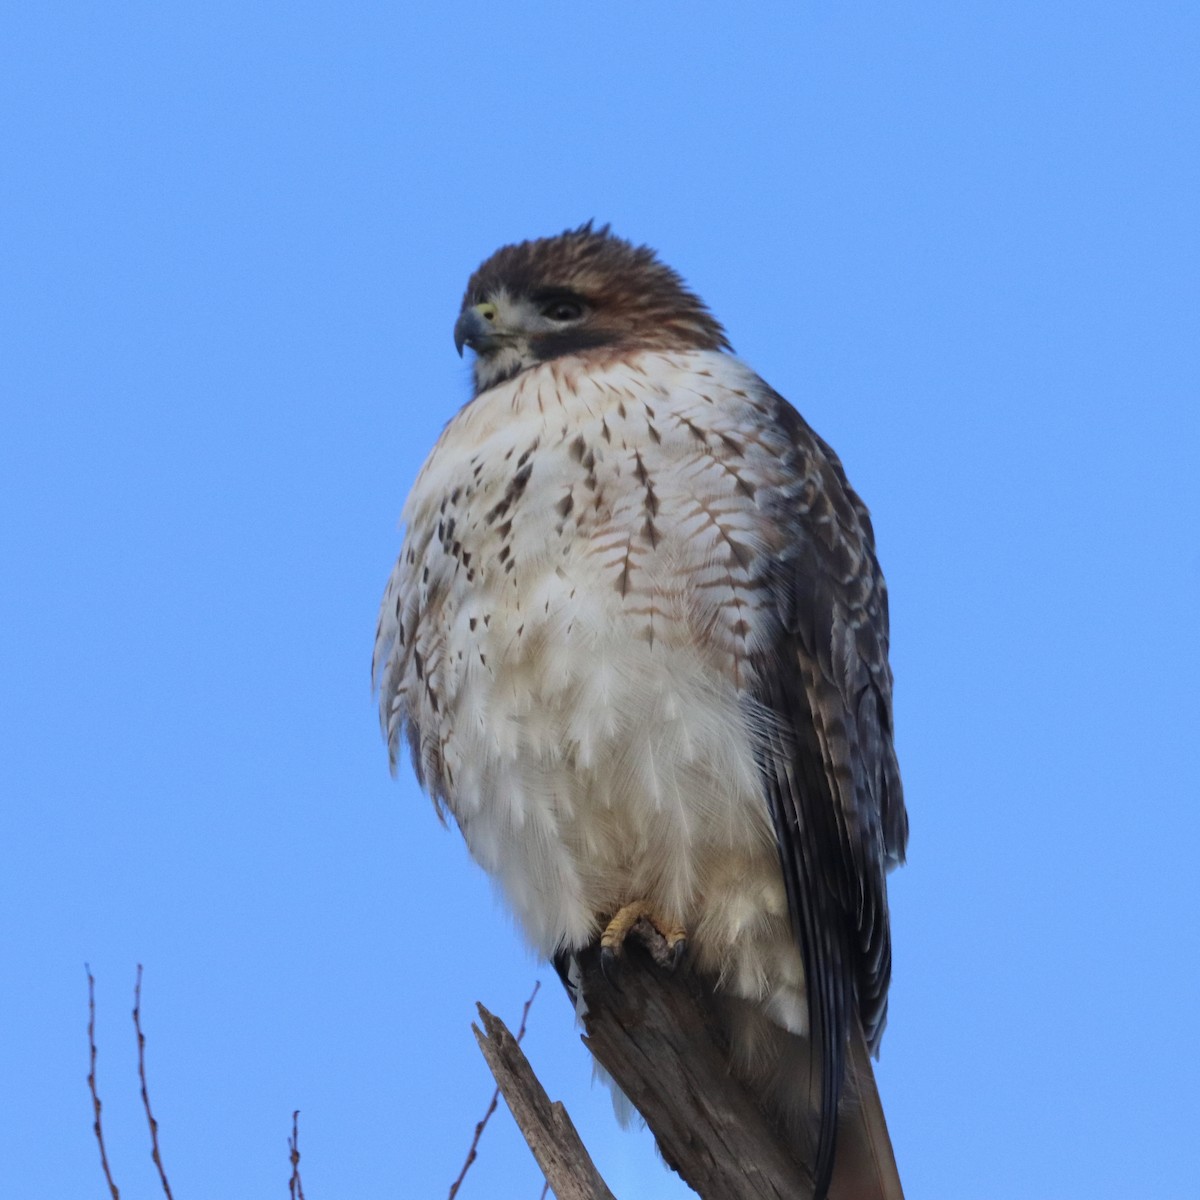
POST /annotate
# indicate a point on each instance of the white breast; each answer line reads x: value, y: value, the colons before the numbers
x: 567, y: 638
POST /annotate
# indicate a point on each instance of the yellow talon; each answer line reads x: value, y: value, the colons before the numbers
x: 617, y: 930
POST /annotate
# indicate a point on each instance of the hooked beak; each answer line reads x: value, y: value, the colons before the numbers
x: 476, y: 327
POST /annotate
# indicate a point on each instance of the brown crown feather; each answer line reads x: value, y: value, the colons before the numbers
x: 636, y: 300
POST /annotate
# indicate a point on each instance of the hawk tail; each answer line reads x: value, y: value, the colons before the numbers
x: 865, y: 1168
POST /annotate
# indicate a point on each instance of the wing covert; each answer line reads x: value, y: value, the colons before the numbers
x: 829, y: 769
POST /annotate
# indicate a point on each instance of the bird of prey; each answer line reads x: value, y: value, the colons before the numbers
x: 637, y: 643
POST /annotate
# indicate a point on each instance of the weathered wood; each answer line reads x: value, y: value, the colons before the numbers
x: 547, y: 1129
x: 656, y: 1033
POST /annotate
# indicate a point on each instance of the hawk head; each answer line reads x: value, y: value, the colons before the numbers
x: 582, y: 290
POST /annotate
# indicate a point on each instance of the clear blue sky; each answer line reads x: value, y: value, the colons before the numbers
x: 961, y: 237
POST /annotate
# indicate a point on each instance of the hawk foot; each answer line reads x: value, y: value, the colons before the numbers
x: 612, y: 940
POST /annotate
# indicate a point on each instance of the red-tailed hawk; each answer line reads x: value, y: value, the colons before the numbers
x: 637, y: 643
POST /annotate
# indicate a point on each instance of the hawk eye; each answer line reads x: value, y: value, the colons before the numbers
x: 563, y: 310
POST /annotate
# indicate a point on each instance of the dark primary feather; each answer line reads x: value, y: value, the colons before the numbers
x: 829, y: 770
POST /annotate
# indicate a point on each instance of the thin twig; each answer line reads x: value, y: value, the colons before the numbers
x: 141, y: 1045
x: 96, y: 1127
x: 545, y: 1190
x: 295, y: 1187
x: 491, y: 1108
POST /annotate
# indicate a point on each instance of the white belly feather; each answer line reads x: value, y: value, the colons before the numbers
x: 567, y: 637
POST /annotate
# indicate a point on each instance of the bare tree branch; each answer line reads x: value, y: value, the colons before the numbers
x: 656, y: 1032
x: 295, y: 1187
x: 141, y: 1048
x: 546, y: 1127
x: 96, y: 1126
x: 491, y: 1108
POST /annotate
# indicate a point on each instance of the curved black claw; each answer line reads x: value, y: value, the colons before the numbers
x: 678, y: 954
x: 608, y: 964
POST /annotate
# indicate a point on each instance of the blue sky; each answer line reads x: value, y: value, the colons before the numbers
x: 961, y: 238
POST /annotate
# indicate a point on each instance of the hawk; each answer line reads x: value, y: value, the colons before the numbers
x: 637, y: 643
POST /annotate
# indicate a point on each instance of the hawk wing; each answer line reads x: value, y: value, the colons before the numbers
x: 828, y: 767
